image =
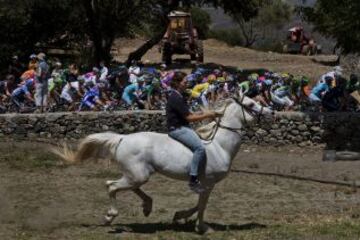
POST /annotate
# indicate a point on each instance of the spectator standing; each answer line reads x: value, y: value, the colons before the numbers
x: 41, y: 84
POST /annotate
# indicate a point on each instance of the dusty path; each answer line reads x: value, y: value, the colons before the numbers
x: 218, y: 52
x: 41, y: 199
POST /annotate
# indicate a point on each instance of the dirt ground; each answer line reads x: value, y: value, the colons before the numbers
x: 42, y: 199
x: 220, y: 53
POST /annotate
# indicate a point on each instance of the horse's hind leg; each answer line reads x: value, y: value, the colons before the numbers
x: 113, y: 187
x: 147, y: 201
x: 185, y: 214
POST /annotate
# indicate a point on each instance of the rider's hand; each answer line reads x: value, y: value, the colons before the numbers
x: 212, y: 114
x: 217, y: 114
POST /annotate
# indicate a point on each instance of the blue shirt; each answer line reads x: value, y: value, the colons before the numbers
x: 130, y: 89
x: 320, y: 88
x: 20, y: 91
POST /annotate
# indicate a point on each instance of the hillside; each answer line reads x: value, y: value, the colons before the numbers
x: 220, y: 53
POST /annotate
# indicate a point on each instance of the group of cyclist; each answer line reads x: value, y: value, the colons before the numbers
x: 144, y: 87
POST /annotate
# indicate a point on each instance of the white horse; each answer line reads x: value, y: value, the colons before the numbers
x: 142, y: 154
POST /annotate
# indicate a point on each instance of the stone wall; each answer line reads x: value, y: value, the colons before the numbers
x: 336, y: 130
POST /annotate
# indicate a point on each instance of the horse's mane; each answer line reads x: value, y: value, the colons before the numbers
x: 207, y: 131
x: 223, y: 105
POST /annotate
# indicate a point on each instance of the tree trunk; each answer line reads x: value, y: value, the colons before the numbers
x: 102, y: 44
x: 142, y: 50
x: 164, y: 21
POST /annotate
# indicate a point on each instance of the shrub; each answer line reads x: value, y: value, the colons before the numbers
x: 201, y: 21
x: 274, y: 45
x: 230, y: 36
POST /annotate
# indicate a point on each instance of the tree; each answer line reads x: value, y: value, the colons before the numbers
x: 24, y: 24
x: 27, y: 24
x: 245, y: 8
x: 201, y: 21
x: 271, y: 15
x: 108, y: 19
x: 337, y: 19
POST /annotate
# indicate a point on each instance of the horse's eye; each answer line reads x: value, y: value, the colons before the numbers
x: 250, y: 105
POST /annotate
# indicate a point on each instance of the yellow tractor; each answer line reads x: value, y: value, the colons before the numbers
x: 181, y: 38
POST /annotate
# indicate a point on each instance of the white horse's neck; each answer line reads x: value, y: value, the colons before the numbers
x: 230, y: 140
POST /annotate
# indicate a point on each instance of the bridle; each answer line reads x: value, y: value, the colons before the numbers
x: 244, y: 109
x: 251, y: 112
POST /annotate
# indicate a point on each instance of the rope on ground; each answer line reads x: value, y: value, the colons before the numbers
x: 288, y: 176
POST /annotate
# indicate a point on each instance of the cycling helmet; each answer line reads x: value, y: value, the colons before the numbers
x: 29, y: 83
x: 253, y: 77
x: 211, y: 78
x: 261, y: 79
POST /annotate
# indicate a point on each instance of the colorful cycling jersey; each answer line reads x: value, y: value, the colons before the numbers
x: 57, y: 79
x: 90, y: 77
x: 23, y: 89
x: 150, y: 70
x: 253, y: 77
x: 90, y: 97
x: 319, y: 89
x: 132, y: 88
x: 198, y: 89
x: 282, y: 91
x: 221, y: 79
x: 153, y: 86
x: 165, y: 81
x: 28, y: 74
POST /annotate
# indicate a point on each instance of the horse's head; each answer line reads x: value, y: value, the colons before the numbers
x: 245, y: 109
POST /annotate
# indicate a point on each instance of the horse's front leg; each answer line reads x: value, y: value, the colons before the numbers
x: 200, y: 226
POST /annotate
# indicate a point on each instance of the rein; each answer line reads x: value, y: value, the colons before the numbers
x: 243, y: 108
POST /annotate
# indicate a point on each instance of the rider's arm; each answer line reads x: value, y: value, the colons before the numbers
x: 195, y: 117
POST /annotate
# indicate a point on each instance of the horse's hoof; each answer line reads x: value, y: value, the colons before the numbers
x: 108, y: 220
x: 203, y: 229
x: 176, y: 218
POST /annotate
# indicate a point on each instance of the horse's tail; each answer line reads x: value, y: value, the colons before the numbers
x: 92, y: 146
